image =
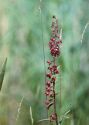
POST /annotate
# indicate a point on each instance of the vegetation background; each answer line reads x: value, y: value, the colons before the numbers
x: 21, y: 42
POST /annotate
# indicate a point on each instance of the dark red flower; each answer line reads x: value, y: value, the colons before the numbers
x: 49, y: 75
x: 49, y: 62
x: 48, y: 83
x: 53, y: 79
x: 53, y: 117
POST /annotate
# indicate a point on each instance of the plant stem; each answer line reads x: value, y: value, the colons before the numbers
x: 60, y: 90
x: 55, y: 100
x: 55, y: 107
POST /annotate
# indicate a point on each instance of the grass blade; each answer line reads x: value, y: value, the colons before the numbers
x: 31, y: 116
x: 2, y: 73
x: 19, y: 108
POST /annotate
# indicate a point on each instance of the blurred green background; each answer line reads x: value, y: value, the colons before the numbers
x: 21, y: 42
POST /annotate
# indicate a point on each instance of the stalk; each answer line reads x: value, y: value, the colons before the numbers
x: 54, y: 46
x: 55, y: 101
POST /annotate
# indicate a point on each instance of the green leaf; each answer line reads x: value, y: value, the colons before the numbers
x: 2, y: 73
